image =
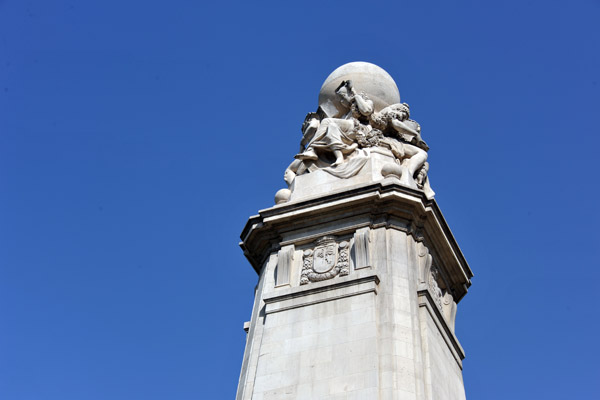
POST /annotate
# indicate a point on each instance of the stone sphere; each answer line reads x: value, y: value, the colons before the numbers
x: 282, y: 196
x: 365, y: 77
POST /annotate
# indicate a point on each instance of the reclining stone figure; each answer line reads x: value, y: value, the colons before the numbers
x: 403, y: 136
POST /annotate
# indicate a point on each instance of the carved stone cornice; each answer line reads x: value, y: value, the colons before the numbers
x: 382, y: 204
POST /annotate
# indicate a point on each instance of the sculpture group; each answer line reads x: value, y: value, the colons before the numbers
x: 341, y: 144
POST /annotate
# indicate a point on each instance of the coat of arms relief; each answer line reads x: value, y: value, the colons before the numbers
x: 326, y: 260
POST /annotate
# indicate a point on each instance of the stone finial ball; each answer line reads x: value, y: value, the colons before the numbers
x: 282, y: 196
x: 366, y: 77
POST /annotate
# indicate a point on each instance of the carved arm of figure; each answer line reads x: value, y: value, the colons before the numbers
x: 409, y: 131
x: 351, y: 99
x: 403, y: 128
x: 364, y: 105
x: 346, y: 93
x: 309, y: 127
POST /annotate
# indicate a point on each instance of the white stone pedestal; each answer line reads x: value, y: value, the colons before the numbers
x: 356, y: 298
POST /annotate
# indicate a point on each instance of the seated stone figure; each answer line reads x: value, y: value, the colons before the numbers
x: 363, y: 134
x: 334, y: 135
x: 337, y: 135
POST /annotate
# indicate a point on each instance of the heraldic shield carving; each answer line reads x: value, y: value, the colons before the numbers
x: 326, y: 260
x: 325, y: 257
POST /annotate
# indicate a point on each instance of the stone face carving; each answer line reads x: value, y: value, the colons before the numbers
x: 325, y: 261
x: 348, y: 125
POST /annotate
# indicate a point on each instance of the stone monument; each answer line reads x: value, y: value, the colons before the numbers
x: 359, y: 274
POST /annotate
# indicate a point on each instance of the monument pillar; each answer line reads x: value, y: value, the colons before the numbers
x: 359, y: 274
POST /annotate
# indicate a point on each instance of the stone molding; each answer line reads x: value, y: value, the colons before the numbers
x: 373, y: 205
x: 285, y: 258
x: 319, y: 292
x: 362, y: 241
x: 427, y: 301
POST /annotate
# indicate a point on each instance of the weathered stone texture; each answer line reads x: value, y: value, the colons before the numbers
x: 384, y: 329
x: 359, y: 274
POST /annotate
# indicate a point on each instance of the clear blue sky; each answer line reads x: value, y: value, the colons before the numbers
x: 136, y: 138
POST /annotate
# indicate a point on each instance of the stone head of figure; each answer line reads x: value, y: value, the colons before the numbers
x: 310, y: 117
x: 399, y: 111
x: 344, y: 91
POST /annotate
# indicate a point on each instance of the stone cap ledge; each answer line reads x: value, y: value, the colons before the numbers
x: 385, y: 202
x: 319, y: 292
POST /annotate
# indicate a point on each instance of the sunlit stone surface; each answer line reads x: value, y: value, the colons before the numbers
x: 359, y: 276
